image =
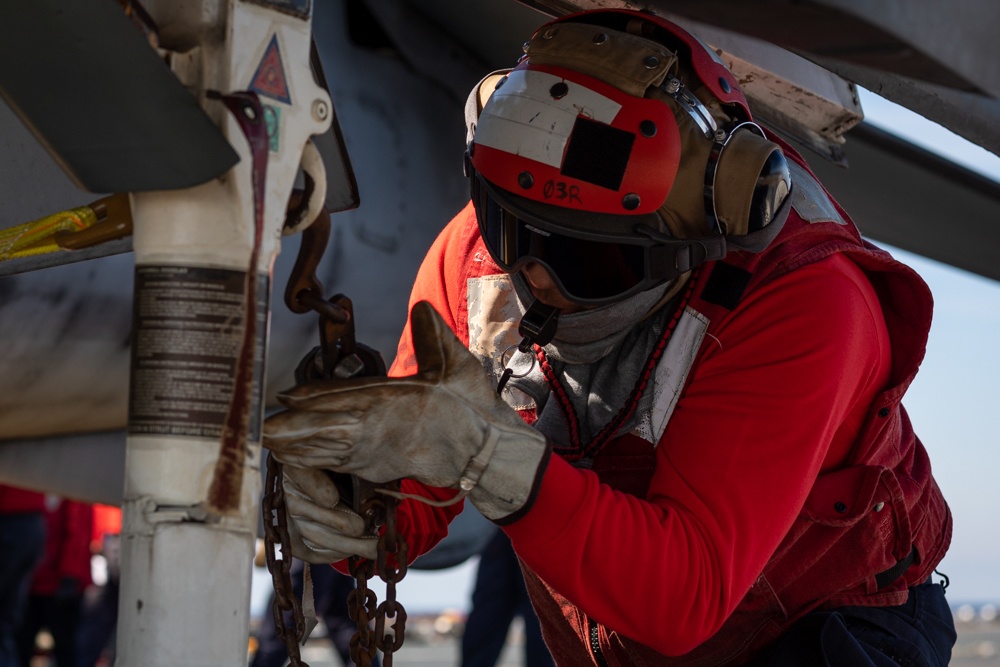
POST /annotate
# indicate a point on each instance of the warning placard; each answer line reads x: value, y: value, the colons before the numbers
x: 188, y: 330
x: 270, y: 79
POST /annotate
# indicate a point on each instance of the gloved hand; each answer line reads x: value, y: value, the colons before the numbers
x: 444, y: 426
x: 321, y: 528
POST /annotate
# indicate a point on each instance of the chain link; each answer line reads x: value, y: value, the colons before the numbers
x: 338, y: 356
x: 276, y: 533
x: 361, y: 608
x: 390, y: 617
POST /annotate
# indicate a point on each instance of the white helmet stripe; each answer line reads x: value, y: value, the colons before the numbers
x: 523, y: 119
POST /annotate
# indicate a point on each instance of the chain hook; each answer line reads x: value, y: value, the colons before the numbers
x: 339, y: 355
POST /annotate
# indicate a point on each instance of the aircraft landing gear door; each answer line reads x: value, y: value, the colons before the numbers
x: 203, y: 259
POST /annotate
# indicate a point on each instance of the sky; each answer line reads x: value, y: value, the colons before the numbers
x: 953, y: 402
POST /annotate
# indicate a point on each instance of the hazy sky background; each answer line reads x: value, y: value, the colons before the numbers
x: 954, y: 402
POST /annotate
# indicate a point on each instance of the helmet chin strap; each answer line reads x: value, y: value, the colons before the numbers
x: 537, y: 327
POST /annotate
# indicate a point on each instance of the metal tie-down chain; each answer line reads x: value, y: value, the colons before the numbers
x: 275, y: 533
x: 338, y: 356
x: 389, y: 616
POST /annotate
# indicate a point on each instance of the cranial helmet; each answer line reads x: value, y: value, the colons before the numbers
x: 619, y: 153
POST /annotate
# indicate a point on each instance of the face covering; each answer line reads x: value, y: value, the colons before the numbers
x: 597, y: 355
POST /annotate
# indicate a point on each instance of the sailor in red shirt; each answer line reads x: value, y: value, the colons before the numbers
x: 59, y: 581
x: 22, y: 543
x: 698, y: 451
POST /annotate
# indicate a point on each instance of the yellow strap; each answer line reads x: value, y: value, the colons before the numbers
x: 106, y: 219
x: 36, y: 237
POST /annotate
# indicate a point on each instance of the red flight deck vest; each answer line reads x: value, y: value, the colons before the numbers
x: 868, y: 531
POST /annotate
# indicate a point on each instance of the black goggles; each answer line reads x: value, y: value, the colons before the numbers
x: 589, y: 268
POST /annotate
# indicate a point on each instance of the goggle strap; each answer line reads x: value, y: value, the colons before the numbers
x: 699, y: 251
x: 675, y: 256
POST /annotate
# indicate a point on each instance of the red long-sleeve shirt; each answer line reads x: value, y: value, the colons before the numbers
x: 777, y: 397
x: 67, y: 547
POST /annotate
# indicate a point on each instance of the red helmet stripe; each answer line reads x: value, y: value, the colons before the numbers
x: 527, y: 128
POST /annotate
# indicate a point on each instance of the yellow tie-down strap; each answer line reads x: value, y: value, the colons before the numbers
x: 103, y: 220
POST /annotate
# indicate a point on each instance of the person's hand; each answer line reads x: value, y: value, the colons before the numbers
x: 321, y: 528
x: 444, y: 426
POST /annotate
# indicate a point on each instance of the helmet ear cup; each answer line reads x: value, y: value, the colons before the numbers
x: 749, y: 182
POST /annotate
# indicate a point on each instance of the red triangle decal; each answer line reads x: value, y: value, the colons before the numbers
x: 269, y: 79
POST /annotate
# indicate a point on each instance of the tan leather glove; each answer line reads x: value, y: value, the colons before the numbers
x: 444, y: 426
x: 322, y: 529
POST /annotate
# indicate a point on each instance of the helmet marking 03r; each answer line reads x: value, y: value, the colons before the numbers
x: 619, y: 153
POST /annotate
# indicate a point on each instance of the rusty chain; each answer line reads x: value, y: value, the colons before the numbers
x: 361, y: 608
x: 389, y: 616
x: 338, y: 356
x: 275, y: 533
x: 390, y: 544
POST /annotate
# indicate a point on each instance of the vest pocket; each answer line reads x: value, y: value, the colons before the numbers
x: 843, y: 497
x: 853, y: 526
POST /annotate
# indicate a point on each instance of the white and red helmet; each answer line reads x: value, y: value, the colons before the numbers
x: 619, y: 142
